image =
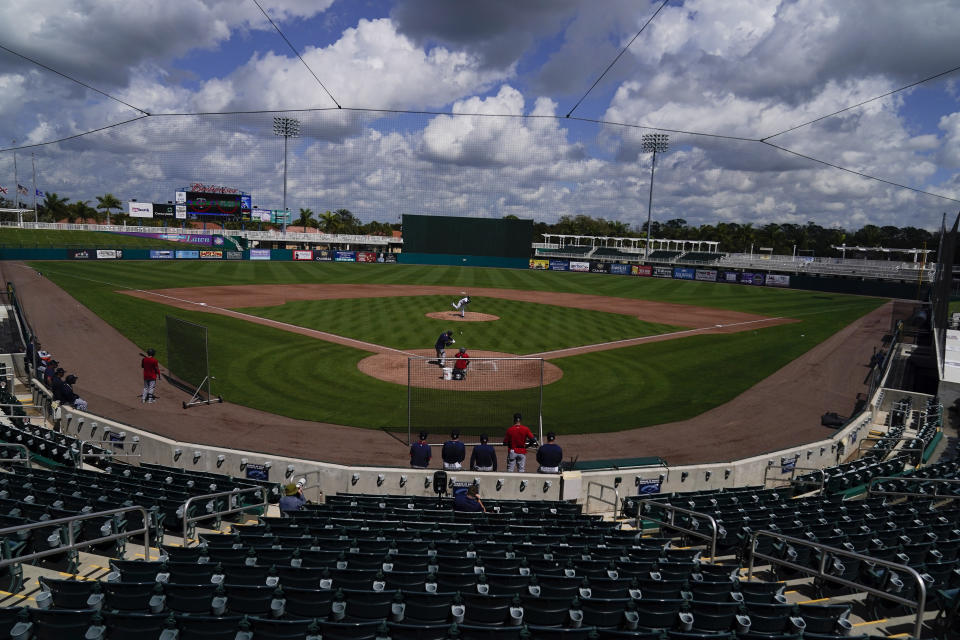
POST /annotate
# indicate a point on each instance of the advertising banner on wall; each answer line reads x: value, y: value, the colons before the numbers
x: 648, y: 486
x: 620, y: 269
x: 684, y: 273
x: 181, y: 212
x: 706, y: 275
x: 662, y: 272
x: 576, y: 265
x: 366, y: 256
x: 599, y: 267
x: 192, y: 238
x: 140, y: 209
x: 323, y: 255
x: 82, y: 254
x: 345, y: 256
x: 751, y: 278
x: 730, y: 276
x: 778, y: 280
x: 537, y: 263
x: 234, y: 255
x: 211, y: 255
x: 163, y: 210
x: 187, y: 255
x: 559, y: 265
x: 162, y: 254
x: 109, y: 254
x: 641, y: 270
x: 302, y: 254
x: 389, y: 258
x: 259, y: 254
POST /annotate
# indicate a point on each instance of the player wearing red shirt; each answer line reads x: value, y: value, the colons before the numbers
x: 460, y: 364
x: 516, y: 440
x: 151, y: 371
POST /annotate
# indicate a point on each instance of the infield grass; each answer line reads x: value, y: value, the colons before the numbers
x: 523, y: 327
x: 301, y: 377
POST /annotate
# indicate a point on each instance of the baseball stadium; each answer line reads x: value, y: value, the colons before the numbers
x: 219, y: 422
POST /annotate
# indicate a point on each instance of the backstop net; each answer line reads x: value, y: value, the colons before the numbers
x: 482, y: 401
x: 187, y: 358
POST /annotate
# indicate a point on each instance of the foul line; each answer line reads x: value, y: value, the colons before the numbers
x: 589, y: 347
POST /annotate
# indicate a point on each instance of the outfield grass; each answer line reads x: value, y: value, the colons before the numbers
x: 523, y: 327
x: 51, y: 239
x: 297, y: 376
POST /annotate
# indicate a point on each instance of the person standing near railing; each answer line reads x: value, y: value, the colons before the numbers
x: 151, y: 372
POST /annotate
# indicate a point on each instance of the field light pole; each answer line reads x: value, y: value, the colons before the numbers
x: 286, y: 128
x: 652, y: 143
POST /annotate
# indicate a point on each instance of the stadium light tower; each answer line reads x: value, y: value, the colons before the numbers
x: 652, y: 143
x: 286, y: 128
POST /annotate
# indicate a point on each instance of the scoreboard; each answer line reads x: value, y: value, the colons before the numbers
x: 204, y: 201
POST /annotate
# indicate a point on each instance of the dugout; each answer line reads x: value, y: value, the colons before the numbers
x: 477, y: 242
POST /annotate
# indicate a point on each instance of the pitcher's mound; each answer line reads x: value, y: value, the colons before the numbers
x: 482, y: 375
x: 455, y: 316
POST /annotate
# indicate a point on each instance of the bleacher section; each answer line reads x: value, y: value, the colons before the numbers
x: 567, y: 250
x: 662, y: 255
x: 612, y: 253
x: 700, y: 257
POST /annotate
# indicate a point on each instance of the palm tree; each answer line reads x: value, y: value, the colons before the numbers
x: 79, y: 210
x: 108, y: 201
x: 54, y: 206
x: 329, y: 222
x: 305, y: 218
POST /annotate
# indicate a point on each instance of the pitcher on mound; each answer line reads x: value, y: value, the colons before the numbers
x: 462, y: 304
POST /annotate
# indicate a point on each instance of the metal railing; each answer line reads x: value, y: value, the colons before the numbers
x: 187, y: 519
x: 793, y: 477
x: 26, y: 454
x: 43, y: 409
x: 77, y: 454
x: 868, y: 439
x: 821, y: 573
x: 616, y: 496
x: 71, y: 543
x: 912, y: 494
x: 673, y: 511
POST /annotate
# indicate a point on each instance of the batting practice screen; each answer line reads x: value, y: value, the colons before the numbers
x: 468, y: 236
x: 187, y: 351
x: 483, y: 401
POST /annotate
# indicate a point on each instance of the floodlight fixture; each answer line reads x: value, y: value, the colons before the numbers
x: 652, y: 143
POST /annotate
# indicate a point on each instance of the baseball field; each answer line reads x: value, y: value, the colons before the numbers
x: 290, y: 338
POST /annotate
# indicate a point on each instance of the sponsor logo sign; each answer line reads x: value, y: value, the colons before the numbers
x: 388, y: 258
x: 366, y: 256
x: 684, y: 273
x: 539, y: 264
x: 259, y: 254
x: 161, y: 254
x: 621, y: 269
x: 576, y: 265
x: 706, y: 275
x: 662, y: 272
x: 345, y: 256
x: 788, y: 464
x: 599, y: 267
x: 258, y: 472
x: 778, y: 280
x: 140, y: 209
x: 187, y: 255
x: 218, y: 241
x: 181, y: 197
x: 302, y: 254
x: 234, y: 255
x: 323, y: 255
x: 729, y: 276
x: 752, y: 278
x: 211, y: 255
x: 81, y: 254
x: 181, y: 212
x: 641, y: 270
x: 163, y: 210
x: 109, y: 254
x: 648, y: 486
x: 559, y: 265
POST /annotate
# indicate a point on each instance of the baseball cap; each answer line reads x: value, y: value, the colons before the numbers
x: 551, y: 435
x: 463, y: 349
x: 423, y: 435
x: 455, y: 433
x: 517, y: 416
x: 71, y: 379
x: 290, y: 490
x: 483, y: 437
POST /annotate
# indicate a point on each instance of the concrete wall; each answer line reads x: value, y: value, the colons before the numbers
x: 596, y: 490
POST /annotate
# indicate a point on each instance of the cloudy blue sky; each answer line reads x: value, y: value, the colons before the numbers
x: 493, y: 81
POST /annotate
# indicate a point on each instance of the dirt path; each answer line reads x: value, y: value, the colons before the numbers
x: 782, y: 410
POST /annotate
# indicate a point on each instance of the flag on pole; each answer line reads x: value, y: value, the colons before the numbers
x: 22, y: 190
x: 39, y: 193
x: 3, y: 190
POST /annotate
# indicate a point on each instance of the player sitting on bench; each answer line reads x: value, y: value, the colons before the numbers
x: 461, y: 362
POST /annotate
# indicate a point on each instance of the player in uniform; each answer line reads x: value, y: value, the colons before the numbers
x: 516, y: 440
x: 461, y: 305
x: 444, y: 341
x: 550, y: 455
x: 460, y: 364
x: 420, y: 453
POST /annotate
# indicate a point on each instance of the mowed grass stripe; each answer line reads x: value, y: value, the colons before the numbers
x: 158, y: 274
x: 297, y: 376
x: 400, y: 322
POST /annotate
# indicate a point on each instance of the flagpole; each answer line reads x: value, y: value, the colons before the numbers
x: 33, y: 161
